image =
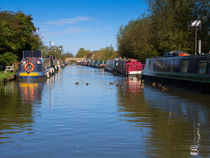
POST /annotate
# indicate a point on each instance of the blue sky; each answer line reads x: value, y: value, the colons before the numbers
x: 89, y: 24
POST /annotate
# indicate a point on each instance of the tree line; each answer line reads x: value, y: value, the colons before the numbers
x: 56, y: 51
x: 165, y: 27
x: 102, y: 54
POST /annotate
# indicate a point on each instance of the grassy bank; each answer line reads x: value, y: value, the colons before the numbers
x: 6, y: 76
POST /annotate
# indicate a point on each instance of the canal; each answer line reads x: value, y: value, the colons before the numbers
x: 86, y: 112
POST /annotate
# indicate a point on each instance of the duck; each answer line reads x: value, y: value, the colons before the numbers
x: 87, y: 84
x: 164, y: 88
x: 76, y: 83
x: 159, y: 85
x: 117, y: 85
x: 153, y: 84
x: 111, y: 83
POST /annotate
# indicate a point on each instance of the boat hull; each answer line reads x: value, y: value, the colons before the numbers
x: 186, y: 84
x: 31, y: 76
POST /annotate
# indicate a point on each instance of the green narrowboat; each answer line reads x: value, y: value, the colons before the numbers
x: 180, y: 68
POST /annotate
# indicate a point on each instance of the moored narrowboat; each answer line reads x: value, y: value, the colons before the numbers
x: 33, y: 66
x: 109, y: 65
x: 129, y: 67
x: 180, y: 68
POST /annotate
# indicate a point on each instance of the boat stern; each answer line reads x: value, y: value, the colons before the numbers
x: 31, y: 75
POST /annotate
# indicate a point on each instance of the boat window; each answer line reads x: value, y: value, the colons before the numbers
x: 202, y: 66
x: 185, y: 66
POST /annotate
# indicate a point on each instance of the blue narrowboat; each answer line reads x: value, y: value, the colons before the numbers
x: 33, y: 66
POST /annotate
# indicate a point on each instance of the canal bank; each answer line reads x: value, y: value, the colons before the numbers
x: 6, y: 77
x: 59, y: 118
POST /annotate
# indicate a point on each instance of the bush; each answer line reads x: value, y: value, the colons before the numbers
x: 7, y: 58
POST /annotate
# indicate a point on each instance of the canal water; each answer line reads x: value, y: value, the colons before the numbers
x: 84, y: 112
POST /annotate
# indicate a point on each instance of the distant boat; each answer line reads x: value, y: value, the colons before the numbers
x: 180, y: 68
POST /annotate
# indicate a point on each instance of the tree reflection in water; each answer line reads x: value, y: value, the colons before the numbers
x: 177, y: 121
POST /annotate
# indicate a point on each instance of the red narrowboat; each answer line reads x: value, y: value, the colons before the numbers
x: 129, y: 67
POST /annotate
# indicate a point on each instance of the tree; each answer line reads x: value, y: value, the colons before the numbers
x: 83, y: 53
x: 69, y: 55
x: 105, y: 53
x: 17, y: 33
x: 7, y: 58
x: 135, y: 40
x: 56, y: 51
x: 172, y: 19
x: 165, y: 28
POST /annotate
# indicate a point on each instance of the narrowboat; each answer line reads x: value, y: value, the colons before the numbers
x: 111, y: 64
x: 102, y: 64
x: 33, y: 66
x: 92, y: 64
x: 88, y: 62
x: 129, y: 67
x: 180, y: 68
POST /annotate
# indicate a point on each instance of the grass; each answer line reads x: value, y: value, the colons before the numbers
x: 5, y: 75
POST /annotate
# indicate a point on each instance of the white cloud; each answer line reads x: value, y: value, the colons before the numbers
x: 74, y: 30
x: 70, y: 30
x: 70, y: 20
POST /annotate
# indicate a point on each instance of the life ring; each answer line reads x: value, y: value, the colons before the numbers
x: 30, y: 69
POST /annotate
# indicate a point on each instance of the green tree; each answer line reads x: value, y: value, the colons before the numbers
x: 135, y: 40
x: 105, y: 53
x: 171, y: 21
x: 69, y: 55
x: 56, y: 51
x: 17, y: 33
x: 83, y: 53
x: 166, y: 27
x: 7, y: 58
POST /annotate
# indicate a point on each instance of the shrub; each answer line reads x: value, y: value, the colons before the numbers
x: 7, y: 58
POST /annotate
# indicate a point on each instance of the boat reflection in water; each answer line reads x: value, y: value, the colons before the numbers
x: 132, y: 87
x: 30, y: 91
x: 176, y: 122
x: 19, y: 101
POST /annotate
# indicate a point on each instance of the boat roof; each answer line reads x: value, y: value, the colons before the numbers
x: 32, y: 53
x: 176, y: 53
x: 188, y: 56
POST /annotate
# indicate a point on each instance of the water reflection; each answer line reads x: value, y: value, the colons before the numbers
x: 123, y: 119
x: 178, y: 124
x: 30, y: 92
x: 50, y: 85
x: 133, y: 86
x: 17, y: 108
